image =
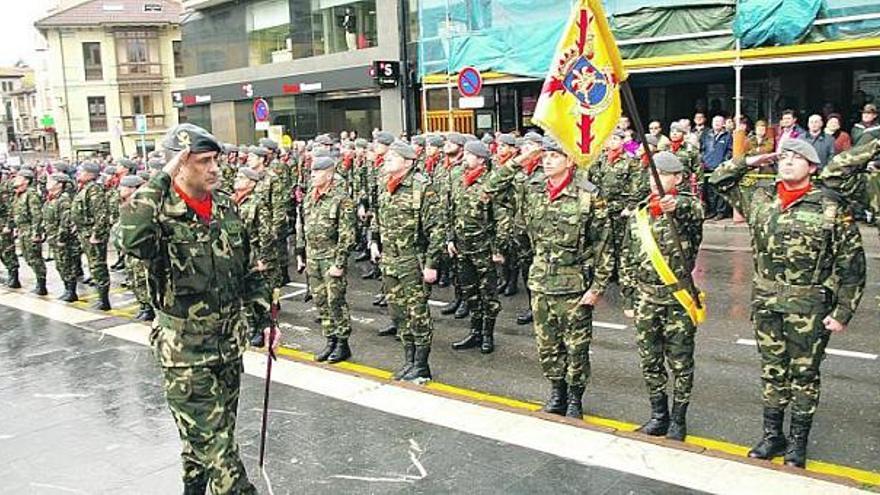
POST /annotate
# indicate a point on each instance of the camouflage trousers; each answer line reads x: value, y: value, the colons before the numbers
x: 32, y: 253
x: 619, y: 252
x: 792, y: 346
x: 665, y: 332
x: 479, y: 284
x: 204, y: 403
x: 64, y: 255
x: 96, y: 254
x: 408, y: 300
x: 329, y: 297
x: 136, y: 271
x: 283, y: 261
x: 563, y: 330
x: 7, y: 252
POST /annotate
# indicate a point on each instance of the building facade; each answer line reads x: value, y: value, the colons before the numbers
x: 11, y: 80
x: 111, y: 66
x: 311, y: 60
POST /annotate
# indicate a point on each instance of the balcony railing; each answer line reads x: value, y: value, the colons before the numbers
x: 139, y: 70
x: 153, y: 122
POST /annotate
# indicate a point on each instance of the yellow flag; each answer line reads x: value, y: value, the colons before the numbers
x: 580, y: 102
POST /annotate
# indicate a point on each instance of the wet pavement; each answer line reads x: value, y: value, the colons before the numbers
x: 84, y: 413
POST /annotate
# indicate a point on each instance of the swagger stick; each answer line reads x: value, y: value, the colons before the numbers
x: 273, y: 327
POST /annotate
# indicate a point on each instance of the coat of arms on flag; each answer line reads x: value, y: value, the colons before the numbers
x: 580, y: 102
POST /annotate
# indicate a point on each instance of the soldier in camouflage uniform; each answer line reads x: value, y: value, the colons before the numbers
x: 270, y: 191
x: 664, y: 330
x: 135, y: 269
x: 407, y: 236
x: 444, y: 175
x: 90, y: 213
x: 325, y: 241
x: 568, y: 228
x: 381, y: 143
x: 228, y: 166
x: 27, y: 218
x: 507, y: 149
x: 359, y: 192
x: 470, y: 240
x: 7, y: 235
x: 281, y: 180
x: 808, y: 281
x: 622, y: 184
x: 689, y: 155
x: 61, y: 232
x: 196, y: 250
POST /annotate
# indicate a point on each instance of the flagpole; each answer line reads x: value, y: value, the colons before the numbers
x: 629, y: 103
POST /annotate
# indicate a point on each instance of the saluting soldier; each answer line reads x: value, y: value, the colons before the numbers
x: 322, y: 249
x: 407, y: 237
x: 27, y: 217
x: 665, y: 329
x: 196, y: 250
x: 61, y: 232
x: 453, y: 151
x: 91, y: 214
x: 809, y: 279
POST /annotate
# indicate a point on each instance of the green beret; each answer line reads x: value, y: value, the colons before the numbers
x: 199, y: 140
x: 361, y: 143
x: 323, y: 163
x: 156, y: 164
x: 507, y: 139
x: 534, y: 137
x: 801, y: 148
x: 667, y: 163
x: 269, y: 144
x: 456, y: 138
x: 619, y: 133
x: 488, y: 139
x: 143, y: 174
x: 550, y: 144
x: 258, y: 150
x: 403, y: 149
x: 470, y: 137
x: 60, y: 177
x: 251, y: 173
x: 436, y: 141
x: 384, y: 137
x: 324, y: 140
x: 129, y: 164
x: 477, y: 148
x: 109, y: 170
x: 132, y: 181
x: 418, y: 140
x: 229, y: 148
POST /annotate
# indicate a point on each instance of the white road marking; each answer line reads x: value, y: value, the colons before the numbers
x: 49, y: 309
x: 298, y: 285
x: 293, y: 294
x: 834, y: 352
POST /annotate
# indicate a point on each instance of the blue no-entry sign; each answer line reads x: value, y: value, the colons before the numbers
x: 261, y: 110
x: 470, y: 82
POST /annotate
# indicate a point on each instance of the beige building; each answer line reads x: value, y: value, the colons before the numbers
x: 109, y: 61
x: 11, y: 79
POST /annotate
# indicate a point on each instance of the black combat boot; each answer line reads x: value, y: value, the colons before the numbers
x: 488, y: 344
x: 40, y: 288
x: 503, y: 280
x: 773, y: 443
x: 799, y: 433
x: 525, y: 317
x: 452, y: 307
x: 103, y: 302
x: 382, y: 301
x: 474, y: 337
x: 372, y: 273
x: 658, y: 425
x: 409, y: 354
x: 575, y: 406
x: 362, y: 256
x: 327, y: 351
x: 512, y: 287
x: 13, y: 282
x: 558, y: 400
x: 462, y: 312
x: 420, y: 370
x: 389, y: 331
x: 341, y: 353
x: 678, y: 427
x: 258, y: 340
x: 196, y: 487
x: 443, y: 281
x: 378, y: 298
x: 69, y: 292
x: 146, y: 314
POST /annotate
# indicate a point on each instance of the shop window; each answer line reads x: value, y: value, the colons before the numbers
x: 268, y: 29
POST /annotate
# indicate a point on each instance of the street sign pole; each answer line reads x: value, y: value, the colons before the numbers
x: 140, y: 123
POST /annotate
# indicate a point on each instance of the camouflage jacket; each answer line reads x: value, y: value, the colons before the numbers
x: 510, y: 178
x: 60, y: 230
x: 568, y: 236
x: 808, y: 257
x: 253, y: 215
x: 272, y: 192
x: 846, y: 174
x: 200, y: 277
x: 442, y: 182
x: 407, y: 225
x: 689, y: 220
x: 6, y: 196
x: 471, y: 225
x: 227, y: 175
x: 113, y: 204
x: 27, y: 215
x: 622, y: 183
x: 90, y: 213
x: 329, y: 225
x: 690, y: 158
x: 373, y: 174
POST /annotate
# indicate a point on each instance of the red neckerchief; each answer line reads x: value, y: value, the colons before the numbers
x: 654, y: 202
x: 202, y: 207
x: 111, y: 182
x: 240, y: 196
x: 346, y: 162
x: 505, y: 157
x: 553, y: 192
x: 472, y: 174
x: 430, y: 163
x: 320, y: 192
x: 449, y: 163
x: 530, y: 164
x: 377, y: 163
x: 787, y: 197
x: 614, y: 155
x: 394, y: 183
x: 675, y: 145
